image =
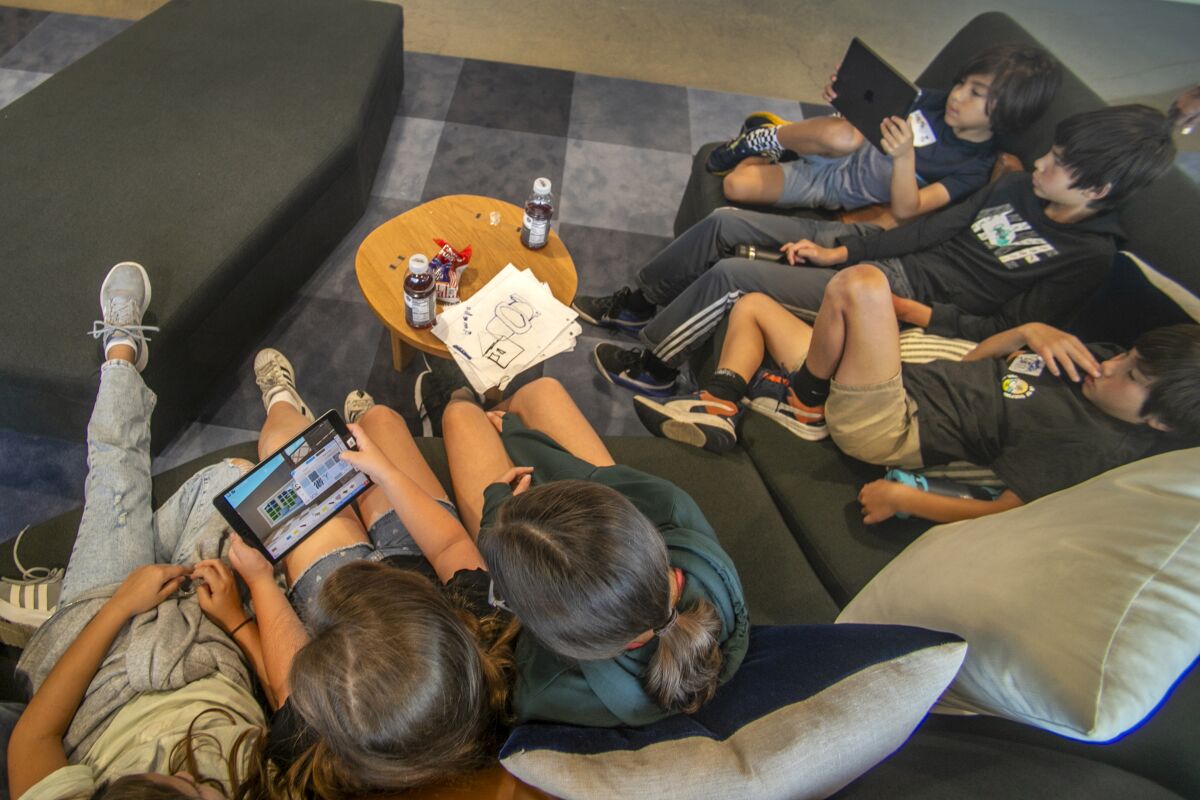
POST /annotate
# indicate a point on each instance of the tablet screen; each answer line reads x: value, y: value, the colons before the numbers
x: 294, y: 491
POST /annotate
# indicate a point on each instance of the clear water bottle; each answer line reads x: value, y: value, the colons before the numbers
x: 535, y: 230
x: 420, y: 300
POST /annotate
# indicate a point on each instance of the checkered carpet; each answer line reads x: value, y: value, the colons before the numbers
x: 617, y: 151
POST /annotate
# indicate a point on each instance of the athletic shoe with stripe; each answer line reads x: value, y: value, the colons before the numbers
x: 357, y: 403
x: 30, y: 600
x: 771, y: 394
x: 699, y: 419
x: 626, y: 366
x: 754, y: 142
x: 275, y: 376
x: 612, y: 311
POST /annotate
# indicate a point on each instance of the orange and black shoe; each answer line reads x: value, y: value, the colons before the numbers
x: 698, y: 419
x: 771, y: 394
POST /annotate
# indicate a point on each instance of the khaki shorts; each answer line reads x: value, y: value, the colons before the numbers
x: 876, y: 423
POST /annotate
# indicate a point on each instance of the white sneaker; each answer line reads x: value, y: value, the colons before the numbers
x: 124, y: 298
x: 277, y: 379
x: 357, y: 403
x: 28, y: 601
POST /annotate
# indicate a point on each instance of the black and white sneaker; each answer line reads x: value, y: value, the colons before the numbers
x: 612, y: 311
x: 357, y: 403
x: 437, y: 382
x: 276, y: 379
x: 626, y: 366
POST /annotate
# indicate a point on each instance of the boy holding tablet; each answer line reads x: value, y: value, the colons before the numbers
x: 944, y: 155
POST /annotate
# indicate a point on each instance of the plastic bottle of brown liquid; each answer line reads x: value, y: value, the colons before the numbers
x: 420, y: 302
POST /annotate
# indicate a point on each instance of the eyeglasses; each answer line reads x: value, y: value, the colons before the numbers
x: 493, y: 601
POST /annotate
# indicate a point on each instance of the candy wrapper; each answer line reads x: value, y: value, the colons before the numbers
x: 447, y: 267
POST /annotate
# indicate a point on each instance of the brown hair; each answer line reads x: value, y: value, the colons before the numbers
x: 587, y: 573
x: 183, y: 758
x: 1024, y: 81
x: 396, y: 685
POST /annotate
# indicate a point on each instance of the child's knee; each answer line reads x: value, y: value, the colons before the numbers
x: 376, y: 414
x: 841, y: 138
x: 541, y: 391
x: 736, y: 187
x: 858, y: 284
x: 749, y: 306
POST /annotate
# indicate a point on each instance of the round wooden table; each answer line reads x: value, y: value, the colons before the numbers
x: 461, y: 220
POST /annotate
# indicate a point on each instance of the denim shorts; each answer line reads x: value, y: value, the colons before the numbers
x: 388, y: 538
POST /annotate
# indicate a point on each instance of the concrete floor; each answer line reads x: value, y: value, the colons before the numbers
x: 1126, y: 50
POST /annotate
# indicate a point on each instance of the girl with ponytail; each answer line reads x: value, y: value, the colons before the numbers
x: 630, y: 610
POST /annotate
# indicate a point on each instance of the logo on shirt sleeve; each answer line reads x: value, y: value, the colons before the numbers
x: 1010, y: 238
x: 1015, y: 387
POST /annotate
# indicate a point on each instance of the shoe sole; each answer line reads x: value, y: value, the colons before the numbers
x: 632, y: 328
x: 24, y: 617
x: 347, y: 413
x: 627, y: 383
x: 769, y: 409
x: 687, y: 427
x: 771, y: 119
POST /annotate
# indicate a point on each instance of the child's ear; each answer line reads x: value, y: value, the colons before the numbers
x: 1096, y: 194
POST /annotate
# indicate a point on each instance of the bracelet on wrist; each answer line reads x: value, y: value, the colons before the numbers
x: 241, y: 625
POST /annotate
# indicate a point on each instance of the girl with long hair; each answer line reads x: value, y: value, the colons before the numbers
x: 630, y: 610
x: 388, y: 667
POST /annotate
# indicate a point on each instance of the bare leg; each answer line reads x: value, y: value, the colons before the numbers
x: 389, y: 432
x: 820, y: 136
x: 754, y: 181
x: 283, y: 423
x: 855, y: 336
x: 757, y: 321
x: 545, y: 406
x: 477, y: 458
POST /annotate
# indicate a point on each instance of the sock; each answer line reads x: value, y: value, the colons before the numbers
x: 283, y: 396
x: 765, y: 139
x: 638, y: 302
x: 120, y: 339
x: 658, y: 368
x: 726, y: 384
x: 810, y: 389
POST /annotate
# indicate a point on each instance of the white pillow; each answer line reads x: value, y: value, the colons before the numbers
x: 1080, y: 610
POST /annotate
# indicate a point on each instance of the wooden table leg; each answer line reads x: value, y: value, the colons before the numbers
x: 401, y: 355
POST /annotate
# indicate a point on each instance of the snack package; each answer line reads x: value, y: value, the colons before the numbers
x: 447, y: 267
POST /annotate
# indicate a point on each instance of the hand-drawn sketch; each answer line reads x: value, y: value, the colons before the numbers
x: 510, y: 319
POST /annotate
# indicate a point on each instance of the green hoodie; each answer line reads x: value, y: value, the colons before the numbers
x: 608, y: 693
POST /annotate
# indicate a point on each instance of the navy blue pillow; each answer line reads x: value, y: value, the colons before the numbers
x: 811, y: 708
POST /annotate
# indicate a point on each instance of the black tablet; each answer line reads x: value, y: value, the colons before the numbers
x: 294, y: 491
x: 869, y: 90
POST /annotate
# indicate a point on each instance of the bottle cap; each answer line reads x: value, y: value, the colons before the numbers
x: 418, y: 263
x: 541, y: 186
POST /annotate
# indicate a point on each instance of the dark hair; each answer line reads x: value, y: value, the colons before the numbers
x: 1122, y: 147
x: 1024, y: 81
x: 587, y: 573
x: 183, y: 758
x: 1171, y: 356
x: 396, y: 685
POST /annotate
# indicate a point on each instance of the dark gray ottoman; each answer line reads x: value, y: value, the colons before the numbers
x: 227, y: 145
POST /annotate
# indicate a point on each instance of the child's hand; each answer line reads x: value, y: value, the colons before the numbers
x: 828, y: 94
x: 881, y: 500
x: 519, y: 478
x: 497, y: 420
x: 1060, y: 350
x: 807, y: 252
x: 218, y: 595
x: 897, y: 137
x: 367, y: 458
x: 249, y: 563
x: 912, y: 311
x: 146, y: 587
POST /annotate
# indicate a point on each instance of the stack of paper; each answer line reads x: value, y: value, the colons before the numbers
x: 506, y: 327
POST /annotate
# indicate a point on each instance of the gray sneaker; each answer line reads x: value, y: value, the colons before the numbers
x: 440, y: 379
x: 275, y: 376
x: 357, y: 403
x: 28, y: 601
x: 124, y: 298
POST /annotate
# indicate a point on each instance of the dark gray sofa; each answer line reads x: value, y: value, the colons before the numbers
x: 228, y: 145
x: 786, y: 512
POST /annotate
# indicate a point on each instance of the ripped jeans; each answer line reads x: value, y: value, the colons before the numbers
x: 119, y: 532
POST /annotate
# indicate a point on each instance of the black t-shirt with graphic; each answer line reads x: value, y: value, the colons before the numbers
x: 995, y: 260
x: 290, y: 735
x: 1037, y: 432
